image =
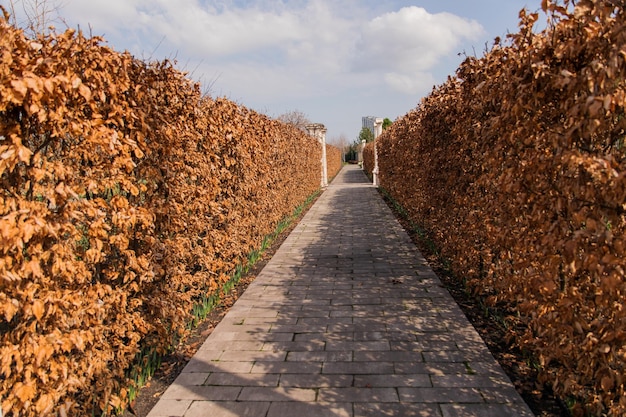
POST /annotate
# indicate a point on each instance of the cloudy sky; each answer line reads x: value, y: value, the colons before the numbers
x: 333, y: 60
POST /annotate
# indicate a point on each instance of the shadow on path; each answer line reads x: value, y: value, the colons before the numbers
x: 346, y: 319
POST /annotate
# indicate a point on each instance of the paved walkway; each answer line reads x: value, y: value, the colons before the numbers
x: 346, y: 319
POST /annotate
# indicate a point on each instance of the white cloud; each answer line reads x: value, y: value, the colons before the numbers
x: 227, y: 32
x: 410, y: 43
x: 410, y: 83
x: 104, y: 16
x: 187, y: 25
x: 216, y: 29
x: 327, y: 38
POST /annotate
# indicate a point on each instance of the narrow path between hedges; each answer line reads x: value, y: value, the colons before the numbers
x: 346, y: 319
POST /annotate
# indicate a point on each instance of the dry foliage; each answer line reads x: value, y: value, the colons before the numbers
x: 126, y: 198
x: 517, y: 167
x: 333, y: 161
x: 368, y: 158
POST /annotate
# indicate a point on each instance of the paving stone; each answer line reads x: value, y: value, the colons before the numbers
x: 278, y: 320
x: 349, y: 312
x: 390, y: 380
x: 243, y: 328
x: 219, y: 345
x: 227, y: 409
x: 262, y: 312
x: 388, y: 356
x: 319, y: 356
x: 252, y: 356
x: 323, y: 321
x: 358, y: 395
x: 376, y: 345
x: 287, y: 368
x: 201, y: 366
x: 454, y: 356
x: 170, y: 408
x: 359, y: 326
x: 485, y: 368
x: 406, y: 345
x: 436, y: 337
x: 277, y: 394
x: 316, y: 380
x: 314, y: 345
x: 395, y: 409
x: 431, y: 368
x: 179, y: 392
x: 322, y: 338
x: 206, y: 354
x: 191, y: 378
x: 440, y: 395
x: 501, y: 395
x: 299, y: 328
x: 370, y: 336
x: 354, y: 368
x: 460, y: 381
x: 313, y: 409
x: 484, y: 410
x: 271, y: 337
x: 321, y: 313
x: 242, y: 380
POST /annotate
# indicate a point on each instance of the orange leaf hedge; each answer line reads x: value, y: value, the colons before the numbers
x: 333, y: 161
x: 517, y: 168
x: 368, y: 159
x: 126, y: 198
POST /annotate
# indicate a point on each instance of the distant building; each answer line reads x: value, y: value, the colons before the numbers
x: 374, y: 124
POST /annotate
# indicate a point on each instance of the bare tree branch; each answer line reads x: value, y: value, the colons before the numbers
x: 295, y: 118
x: 38, y: 14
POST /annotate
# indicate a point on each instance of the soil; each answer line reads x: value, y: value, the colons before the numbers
x: 541, y: 401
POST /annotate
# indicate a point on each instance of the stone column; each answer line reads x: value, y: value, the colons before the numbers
x: 360, y: 154
x: 378, y: 127
x: 318, y: 131
x: 324, y: 182
x: 378, y: 130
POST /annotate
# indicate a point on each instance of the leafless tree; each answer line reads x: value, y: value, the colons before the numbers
x: 342, y: 143
x: 296, y: 118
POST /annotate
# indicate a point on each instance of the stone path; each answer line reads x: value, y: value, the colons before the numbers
x: 346, y: 319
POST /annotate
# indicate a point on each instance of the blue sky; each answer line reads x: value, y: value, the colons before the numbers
x: 333, y: 60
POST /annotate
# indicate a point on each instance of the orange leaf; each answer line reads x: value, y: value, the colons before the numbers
x: 38, y: 309
x: 44, y: 404
x: 24, y: 392
x: 10, y: 308
x: 84, y: 91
